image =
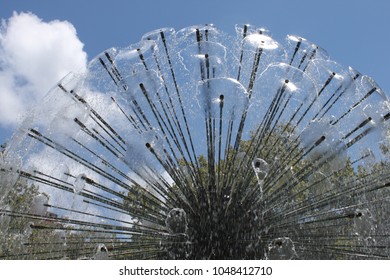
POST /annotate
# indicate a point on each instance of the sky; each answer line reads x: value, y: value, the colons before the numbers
x: 42, y: 41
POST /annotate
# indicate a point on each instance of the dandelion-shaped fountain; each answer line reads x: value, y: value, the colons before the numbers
x: 197, y: 144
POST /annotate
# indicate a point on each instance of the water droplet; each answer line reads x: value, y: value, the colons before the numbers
x: 79, y: 183
x: 281, y: 249
x: 261, y: 168
x: 101, y: 252
x: 176, y: 221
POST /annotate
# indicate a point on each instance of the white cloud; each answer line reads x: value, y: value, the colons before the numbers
x: 34, y: 55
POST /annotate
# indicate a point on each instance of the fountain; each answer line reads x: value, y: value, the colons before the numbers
x: 198, y: 144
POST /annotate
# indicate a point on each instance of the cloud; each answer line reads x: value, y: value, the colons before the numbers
x: 34, y: 55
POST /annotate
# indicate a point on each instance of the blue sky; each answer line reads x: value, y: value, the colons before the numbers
x: 354, y: 33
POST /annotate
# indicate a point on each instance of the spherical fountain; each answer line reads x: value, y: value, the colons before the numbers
x: 198, y: 144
